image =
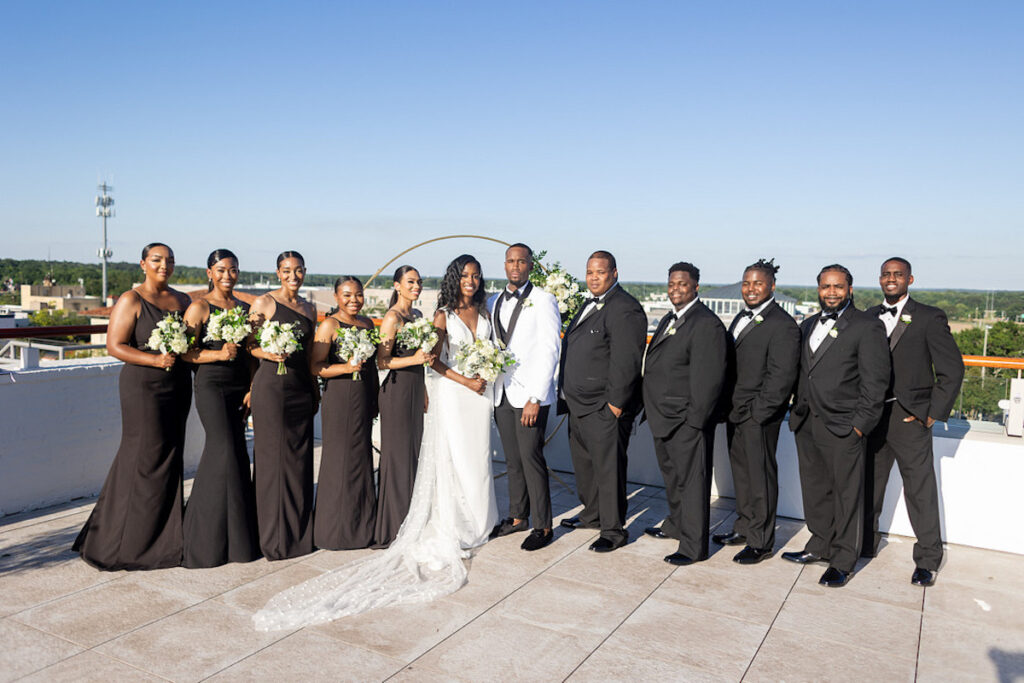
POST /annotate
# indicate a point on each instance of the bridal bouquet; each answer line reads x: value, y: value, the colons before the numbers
x: 279, y: 339
x: 356, y: 345
x: 229, y: 325
x: 169, y: 335
x: 556, y: 281
x: 483, y: 359
x: 420, y: 335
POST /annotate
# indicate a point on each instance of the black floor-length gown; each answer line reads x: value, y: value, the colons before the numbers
x: 136, y: 523
x: 220, y: 515
x: 401, y: 431
x: 346, y: 502
x: 282, y: 416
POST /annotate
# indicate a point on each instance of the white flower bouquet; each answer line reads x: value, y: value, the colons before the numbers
x: 483, y: 359
x: 356, y: 345
x: 229, y: 325
x: 169, y: 335
x: 418, y: 335
x: 279, y: 339
x: 556, y: 281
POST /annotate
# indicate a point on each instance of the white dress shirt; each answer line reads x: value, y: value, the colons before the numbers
x: 592, y: 306
x: 890, y: 321
x: 747, y: 320
x: 821, y: 331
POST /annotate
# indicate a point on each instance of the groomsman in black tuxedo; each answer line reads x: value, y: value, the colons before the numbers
x: 844, y: 371
x: 767, y: 357
x: 526, y: 323
x: 684, y: 371
x: 927, y: 369
x: 599, y: 383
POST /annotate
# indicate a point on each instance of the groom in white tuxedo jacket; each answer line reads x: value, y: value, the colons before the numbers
x: 526, y: 321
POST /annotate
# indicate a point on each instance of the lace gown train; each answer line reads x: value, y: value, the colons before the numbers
x: 452, y: 511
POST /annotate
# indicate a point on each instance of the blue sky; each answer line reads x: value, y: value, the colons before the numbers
x: 710, y: 132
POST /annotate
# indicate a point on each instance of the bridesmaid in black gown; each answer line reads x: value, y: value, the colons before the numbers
x: 220, y: 515
x: 346, y: 501
x: 136, y: 523
x: 402, y: 403
x: 282, y: 412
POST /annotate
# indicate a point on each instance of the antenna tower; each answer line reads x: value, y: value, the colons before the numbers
x: 105, y: 210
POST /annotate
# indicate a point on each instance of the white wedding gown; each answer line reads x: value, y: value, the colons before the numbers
x: 453, y: 510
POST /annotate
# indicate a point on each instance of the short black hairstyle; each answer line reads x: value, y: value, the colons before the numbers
x: 842, y: 269
x: 607, y: 255
x: 685, y: 267
x: 767, y: 267
x: 520, y: 245
x: 901, y: 260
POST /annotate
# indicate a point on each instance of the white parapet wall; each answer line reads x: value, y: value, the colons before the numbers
x: 979, y: 474
x: 60, y: 426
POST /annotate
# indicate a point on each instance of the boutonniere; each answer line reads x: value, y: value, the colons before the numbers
x: 527, y: 302
x: 906, y: 319
x: 600, y: 305
x: 833, y: 333
x: 758, y: 319
x: 670, y: 331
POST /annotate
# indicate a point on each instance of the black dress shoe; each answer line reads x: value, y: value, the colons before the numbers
x: 752, y: 555
x: 606, y: 545
x: 678, y: 559
x: 538, y: 539
x: 571, y: 522
x: 655, y: 531
x: 731, y: 538
x: 923, y: 577
x: 801, y: 557
x: 508, y: 526
x: 834, y: 578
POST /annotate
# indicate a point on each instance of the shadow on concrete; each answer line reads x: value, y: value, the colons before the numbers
x: 1009, y: 665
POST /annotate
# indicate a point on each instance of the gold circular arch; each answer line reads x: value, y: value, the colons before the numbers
x: 430, y: 241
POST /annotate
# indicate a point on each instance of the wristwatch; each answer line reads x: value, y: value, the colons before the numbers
x: 533, y: 399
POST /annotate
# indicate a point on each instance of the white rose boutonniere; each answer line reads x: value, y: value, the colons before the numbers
x: 906, y: 318
x: 527, y: 303
x: 670, y: 331
x: 758, y: 319
x: 600, y: 305
x: 833, y: 333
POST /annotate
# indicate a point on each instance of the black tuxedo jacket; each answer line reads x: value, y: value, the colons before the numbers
x: 765, y: 365
x: 844, y: 381
x: 927, y: 366
x: 684, y: 372
x: 601, y: 356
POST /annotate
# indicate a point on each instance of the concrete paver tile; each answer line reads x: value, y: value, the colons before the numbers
x: 956, y: 649
x: 790, y: 656
x: 26, y: 650
x: 617, y: 662
x: 89, y: 666
x: 252, y: 596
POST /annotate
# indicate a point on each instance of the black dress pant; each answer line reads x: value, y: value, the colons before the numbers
x: 598, y: 443
x: 685, y: 459
x: 909, y: 444
x: 755, y: 474
x: 832, y: 483
x: 529, y: 494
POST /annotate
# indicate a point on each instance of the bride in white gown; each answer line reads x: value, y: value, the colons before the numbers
x: 453, y: 508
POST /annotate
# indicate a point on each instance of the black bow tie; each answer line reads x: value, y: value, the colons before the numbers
x: 671, y: 318
x: 592, y: 300
x: 891, y: 310
x: 511, y: 295
x: 747, y: 314
x: 825, y: 317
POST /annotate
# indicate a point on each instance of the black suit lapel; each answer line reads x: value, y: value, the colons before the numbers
x: 830, y: 339
x: 661, y: 334
x: 518, y: 309
x: 901, y: 326
x: 753, y: 322
x: 496, y: 314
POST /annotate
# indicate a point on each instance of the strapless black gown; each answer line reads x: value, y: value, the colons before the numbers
x: 282, y: 416
x: 220, y: 515
x: 136, y: 523
x: 346, y: 499
x: 401, y: 431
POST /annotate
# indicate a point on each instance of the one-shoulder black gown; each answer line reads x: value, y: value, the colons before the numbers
x: 220, y: 515
x: 282, y: 416
x: 401, y: 431
x: 346, y: 501
x: 136, y: 523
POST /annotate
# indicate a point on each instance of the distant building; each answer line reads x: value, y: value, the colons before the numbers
x: 727, y: 301
x: 49, y: 296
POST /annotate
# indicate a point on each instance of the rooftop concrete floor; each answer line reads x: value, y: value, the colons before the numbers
x: 561, y: 613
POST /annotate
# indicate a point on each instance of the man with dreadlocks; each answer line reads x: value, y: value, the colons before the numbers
x: 767, y: 356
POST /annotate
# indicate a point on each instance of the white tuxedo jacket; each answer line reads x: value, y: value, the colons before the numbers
x: 536, y: 344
